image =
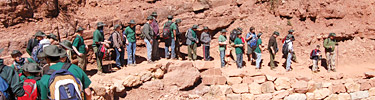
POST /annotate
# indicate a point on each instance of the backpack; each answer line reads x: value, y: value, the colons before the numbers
x: 187, y: 33
x: 285, y: 49
x: 31, y: 90
x: 178, y: 33
x: 3, y: 86
x: 233, y: 35
x: 253, y: 41
x: 36, y: 50
x: 110, y: 39
x: 63, y: 85
x: 167, y: 30
x: 31, y: 44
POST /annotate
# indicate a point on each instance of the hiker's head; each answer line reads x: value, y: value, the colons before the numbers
x: 317, y: 46
x: 170, y: 17
x: 290, y: 31
x: 16, y: 55
x: 223, y: 32
x: 80, y: 30
x: 276, y: 33
x: 132, y: 23
x: 195, y: 27
x: 149, y: 19
x: 100, y: 25
x: 252, y: 29
x: 154, y: 14
x: 289, y: 37
x: 260, y: 34
x: 239, y: 34
x: 117, y: 28
x: 239, y: 29
x: 31, y: 69
x: 178, y: 21
x: 63, y: 58
x: 53, y: 53
x: 205, y: 29
x: 39, y: 35
x: 67, y: 45
x: 52, y: 37
x: 332, y: 35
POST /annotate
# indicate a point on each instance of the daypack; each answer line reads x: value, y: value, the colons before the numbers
x: 37, y: 49
x: 32, y: 43
x: 314, y: 54
x: 178, y: 33
x: 233, y: 35
x: 187, y: 33
x: 31, y: 90
x: 3, y: 86
x: 253, y: 41
x: 285, y: 49
x: 63, y: 85
x: 110, y: 39
x: 167, y: 30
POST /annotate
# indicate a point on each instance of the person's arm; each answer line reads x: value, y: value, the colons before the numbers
x: 146, y: 31
x: 190, y: 36
x: 248, y: 37
x: 75, y: 45
x: 116, y: 43
x: 325, y: 44
x: 203, y: 38
x: 125, y: 35
x: 28, y: 47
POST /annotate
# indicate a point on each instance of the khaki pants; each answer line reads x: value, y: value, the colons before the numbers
x: 331, y: 60
x: 82, y: 62
x: 272, y: 60
x: 192, y: 51
x: 98, y: 60
x: 315, y: 65
x: 232, y: 51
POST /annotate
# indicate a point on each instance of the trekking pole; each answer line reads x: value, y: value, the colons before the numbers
x: 58, y: 34
x: 337, y: 57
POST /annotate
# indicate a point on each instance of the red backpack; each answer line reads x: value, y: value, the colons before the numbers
x: 31, y: 90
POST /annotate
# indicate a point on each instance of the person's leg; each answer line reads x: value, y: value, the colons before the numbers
x: 328, y: 56
x: 239, y: 65
x: 195, y: 51
x: 241, y: 60
x: 294, y: 58
x: 272, y: 62
x: 177, y: 48
x: 259, y: 58
x: 288, y: 61
x: 315, y: 65
x: 149, y: 49
x: 173, y: 46
x: 122, y: 55
x: 166, y: 51
x: 129, y: 51
x: 204, y: 52
x: 222, y: 55
x: 84, y: 62
x: 333, y: 61
x: 155, y: 48
x: 118, y: 61
x: 248, y: 53
x: 190, y: 50
x: 134, y: 46
x: 98, y: 60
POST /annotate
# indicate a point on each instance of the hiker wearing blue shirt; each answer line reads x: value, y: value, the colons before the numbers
x: 251, y: 39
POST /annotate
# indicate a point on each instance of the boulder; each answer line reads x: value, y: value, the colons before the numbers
x: 371, y: 91
x: 153, y: 85
x: 233, y: 97
x: 270, y: 78
x: 267, y: 87
x: 240, y: 88
x: 255, y: 88
x: 225, y: 89
x: 370, y: 74
x: 352, y: 87
x: 197, y: 6
x: 212, y: 71
x: 303, y: 78
x: 213, y: 80
x: 234, y: 80
x: 267, y: 96
x: 338, y: 88
x: 247, y: 96
x: 118, y: 86
x: 146, y: 76
x: 247, y: 79
x: 259, y: 79
x: 280, y: 94
x: 158, y: 73
x: 359, y: 95
x: 365, y: 85
x: 300, y: 87
x: 312, y: 86
x: 132, y: 80
x: 183, y: 76
x: 332, y: 97
x: 282, y: 83
x: 296, y: 96
x: 321, y: 93
x: 310, y: 96
x: 344, y: 96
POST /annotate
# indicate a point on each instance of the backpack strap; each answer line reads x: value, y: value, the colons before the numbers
x: 65, y: 66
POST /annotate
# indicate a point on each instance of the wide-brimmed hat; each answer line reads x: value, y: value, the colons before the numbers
x: 252, y: 28
x: 149, y: 18
x: 205, y: 28
x: 291, y: 31
x: 116, y: 26
x: 100, y: 24
x: 80, y: 29
x: 239, y: 29
x: 54, y: 51
x: 131, y: 22
x: 195, y: 26
x: 31, y: 67
x: 39, y: 33
x: 52, y: 36
x: 170, y: 17
x: 66, y: 44
x: 154, y: 14
x: 178, y: 20
x: 15, y: 53
x: 332, y: 34
x: 276, y: 33
x: 41, y: 55
x: 223, y: 31
x: 259, y: 34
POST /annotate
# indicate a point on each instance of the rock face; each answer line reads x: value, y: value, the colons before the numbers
x: 370, y: 74
x: 282, y: 83
x: 182, y: 76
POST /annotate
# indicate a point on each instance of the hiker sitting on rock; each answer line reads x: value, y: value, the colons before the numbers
x: 19, y: 61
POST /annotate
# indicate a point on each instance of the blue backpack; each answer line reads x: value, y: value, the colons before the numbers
x: 36, y: 50
x: 253, y: 41
x: 63, y: 85
x: 3, y: 86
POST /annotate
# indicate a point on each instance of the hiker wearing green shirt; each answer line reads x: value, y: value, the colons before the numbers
x: 80, y: 48
x: 19, y: 61
x: 53, y: 54
x: 238, y: 44
x: 191, y: 41
x: 170, y: 40
x: 178, y: 39
x: 258, y: 51
x: 329, y: 45
x: 10, y: 77
x: 222, y: 46
x: 31, y: 71
x: 98, y: 40
x: 131, y: 43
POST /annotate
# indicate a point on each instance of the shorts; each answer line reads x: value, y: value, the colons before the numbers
x: 249, y: 50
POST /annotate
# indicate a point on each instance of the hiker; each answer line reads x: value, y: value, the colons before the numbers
x: 273, y: 48
x: 148, y: 34
x: 67, y: 45
x: 206, y: 40
x: 251, y: 39
x: 222, y: 46
x: 19, y: 61
x: 59, y: 73
x: 258, y: 51
x: 290, y: 34
x: 53, y: 38
x: 155, y: 41
x: 192, y: 41
x: 315, y: 56
x: 169, y: 38
x: 39, y: 48
x: 118, y: 44
x: 231, y: 51
x: 80, y: 48
x: 289, y: 44
x: 131, y: 43
x: 329, y: 45
x: 238, y: 43
x: 178, y: 39
x: 39, y: 35
x: 98, y: 42
x: 30, y: 76
x: 10, y: 84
